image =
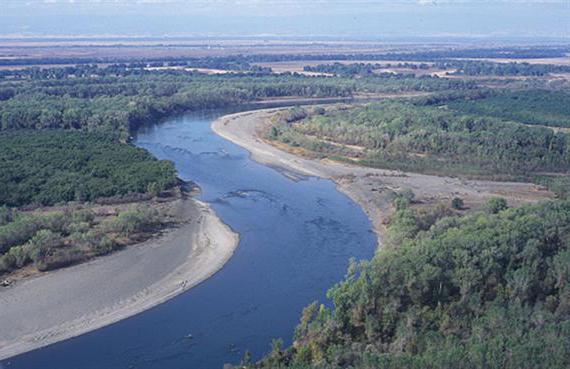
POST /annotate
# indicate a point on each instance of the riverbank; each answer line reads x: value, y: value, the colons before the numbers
x: 62, y: 304
x: 369, y: 187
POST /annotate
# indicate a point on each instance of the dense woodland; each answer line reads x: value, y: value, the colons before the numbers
x: 425, y: 136
x: 487, y: 68
x: 353, y: 69
x: 490, y: 290
x: 55, y: 166
x: 117, y: 100
x: 534, y: 107
x: 120, y: 104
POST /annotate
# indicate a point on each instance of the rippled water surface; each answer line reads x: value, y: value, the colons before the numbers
x: 297, y: 236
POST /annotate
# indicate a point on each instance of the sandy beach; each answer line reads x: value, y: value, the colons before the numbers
x: 368, y: 186
x: 69, y: 302
x: 58, y: 305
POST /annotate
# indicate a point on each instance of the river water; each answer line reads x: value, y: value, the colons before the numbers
x: 297, y: 236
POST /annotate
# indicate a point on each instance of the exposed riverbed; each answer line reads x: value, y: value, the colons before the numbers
x: 297, y: 235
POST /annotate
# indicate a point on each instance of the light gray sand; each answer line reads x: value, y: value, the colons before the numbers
x: 66, y: 303
x: 368, y: 186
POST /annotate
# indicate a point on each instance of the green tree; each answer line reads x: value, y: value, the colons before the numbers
x: 496, y: 205
x: 457, y: 203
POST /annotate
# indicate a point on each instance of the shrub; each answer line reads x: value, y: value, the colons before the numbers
x: 18, y: 232
x: 407, y: 194
x: 61, y: 258
x: 457, y: 203
x: 496, y: 205
x: 59, y: 238
x: 6, y: 215
x: 44, y: 242
x: 401, y: 203
x: 140, y: 219
x: 105, y: 246
x: 82, y: 216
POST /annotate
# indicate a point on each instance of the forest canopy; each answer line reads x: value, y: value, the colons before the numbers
x: 54, y: 166
x: 117, y: 100
x: 433, y: 138
x: 483, y: 291
x: 535, y: 107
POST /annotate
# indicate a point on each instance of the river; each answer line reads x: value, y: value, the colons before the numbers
x: 297, y: 235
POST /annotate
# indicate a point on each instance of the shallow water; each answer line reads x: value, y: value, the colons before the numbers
x: 297, y: 237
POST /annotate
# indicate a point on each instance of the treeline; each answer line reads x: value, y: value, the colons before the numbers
x: 535, y: 107
x: 108, y: 103
x: 50, y: 167
x: 427, y: 55
x: 125, y: 69
x: 429, y: 138
x: 341, y: 69
x: 121, y: 104
x: 455, y: 67
x: 213, y: 63
x: 238, y: 63
x: 487, y: 68
x: 484, y: 291
x: 60, y: 238
x: 363, y: 69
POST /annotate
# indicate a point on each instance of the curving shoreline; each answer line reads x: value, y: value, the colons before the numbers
x: 368, y: 186
x: 245, y: 128
x: 69, y: 302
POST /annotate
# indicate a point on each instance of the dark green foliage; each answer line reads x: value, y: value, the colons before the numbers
x: 118, y: 105
x: 488, y: 68
x: 559, y: 185
x: 536, y: 107
x: 484, y: 291
x: 457, y: 203
x: 6, y: 215
x: 117, y: 100
x: 362, y: 69
x: 407, y: 194
x: 496, y: 205
x: 48, y: 167
x: 456, y: 67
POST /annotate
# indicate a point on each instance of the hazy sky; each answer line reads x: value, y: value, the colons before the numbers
x: 361, y: 18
